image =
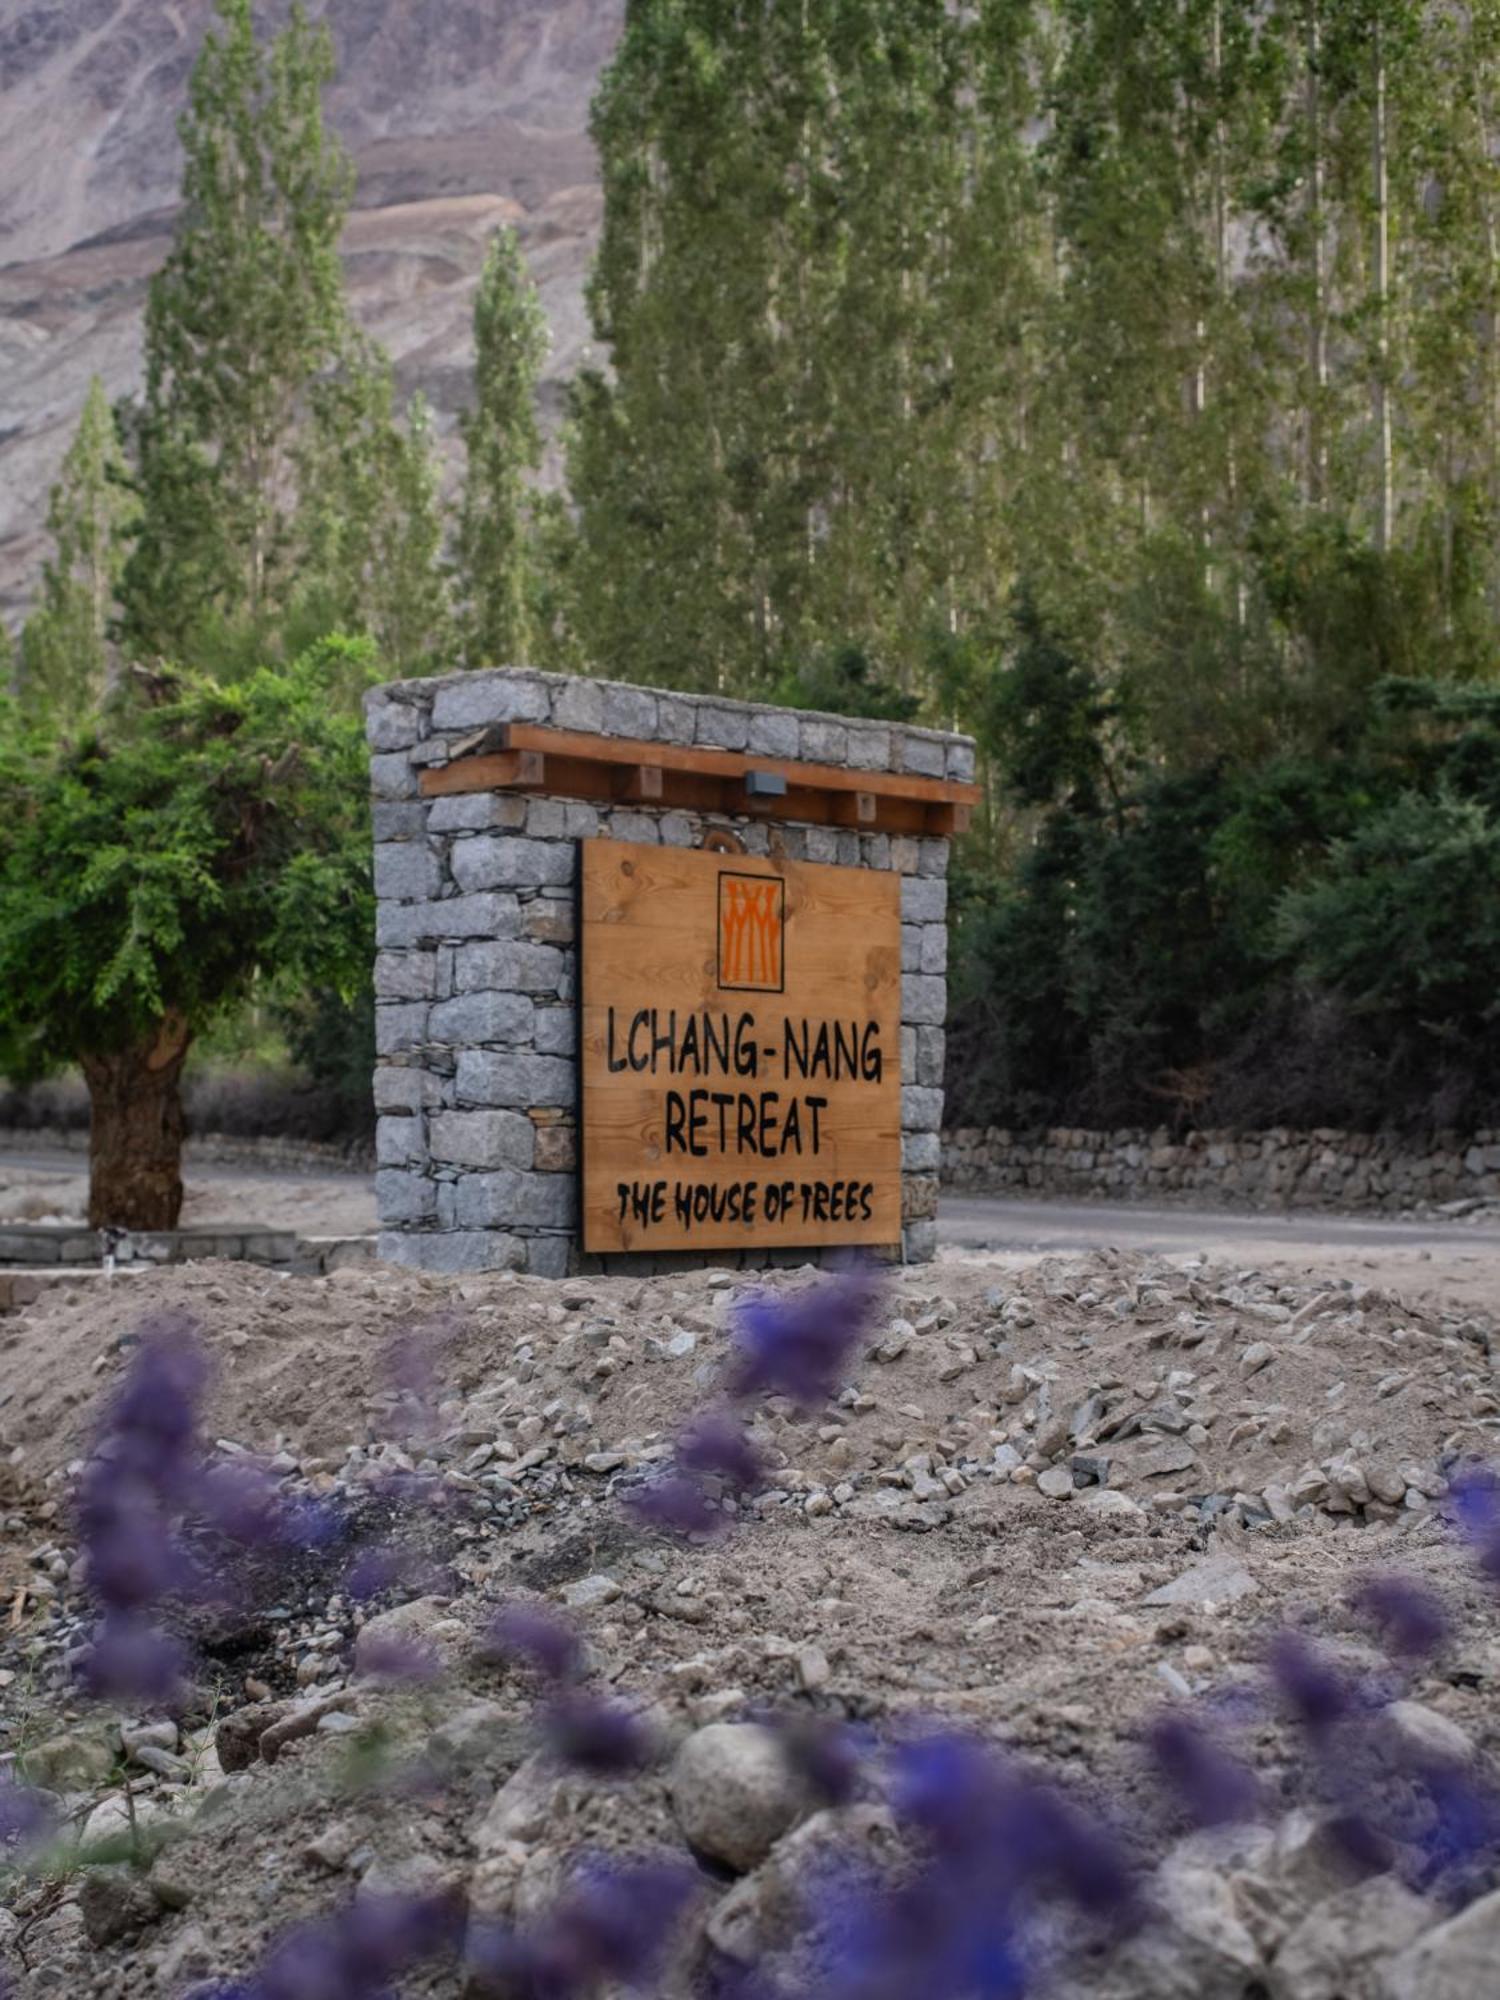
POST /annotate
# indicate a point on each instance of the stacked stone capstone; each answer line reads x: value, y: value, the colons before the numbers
x: 476, y: 1084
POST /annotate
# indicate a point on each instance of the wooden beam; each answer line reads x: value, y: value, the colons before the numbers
x: 651, y: 779
x: 639, y: 784
x: 735, y: 764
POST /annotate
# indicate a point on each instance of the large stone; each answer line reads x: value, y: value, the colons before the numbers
x: 774, y: 733
x: 734, y: 1793
x: 924, y: 1000
x: 523, y: 1079
x: 476, y: 812
x: 476, y: 1018
x: 406, y: 871
x: 510, y: 861
x: 628, y: 711
x: 398, y: 1141
x: 400, y: 1028
x: 404, y: 1198
x: 451, y: 1251
x: 391, y: 725
x: 923, y: 901
x: 510, y: 968
x: 452, y: 917
x: 407, y: 1089
x: 1459, y: 1960
x: 468, y: 701
x: 481, y: 1138
x: 1342, y: 1946
x: 405, y: 975
x: 921, y: 1110
x: 517, y: 1200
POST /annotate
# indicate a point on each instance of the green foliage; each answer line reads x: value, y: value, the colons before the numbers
x: 244, y: 318
x: 1403, y: 921
x: 65, y: 653
x: 494, y: 557
x: 184, y: 840
x: 369, y: 524
x: 842, y: 680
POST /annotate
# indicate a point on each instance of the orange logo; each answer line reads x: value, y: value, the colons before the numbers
x: 751, y: 930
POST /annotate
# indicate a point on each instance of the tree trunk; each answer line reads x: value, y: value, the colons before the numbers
x: 136, y: 1131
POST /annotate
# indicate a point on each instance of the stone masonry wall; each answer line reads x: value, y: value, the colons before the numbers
x: 476, y: 971
x: 1276, y: 1169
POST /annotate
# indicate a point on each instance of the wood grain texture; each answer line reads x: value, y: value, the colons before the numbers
x: 709, y: 983
x: 575, y: 764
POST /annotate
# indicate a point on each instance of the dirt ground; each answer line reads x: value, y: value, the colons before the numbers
x: 934, y: 1542
x: 55, y: 1189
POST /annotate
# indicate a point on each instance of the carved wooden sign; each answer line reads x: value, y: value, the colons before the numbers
x: 741, y: 1057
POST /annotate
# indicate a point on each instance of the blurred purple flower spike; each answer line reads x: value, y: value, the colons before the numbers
x: 1212, y: 1787
x: 826, y: 1754
x: 354, y: 1955
x: 1475, y: 1494
x: 527, y: 1633
x: 595, y: 1735
x: 400, y: 1661
x: 800, y: 1345
x: 617, y: 1919
x: 1318, y: 1695
x: 128, y: 1659
x: 24, y: 1816
x: 1410, y: 1618
x: 674, y: 1504
x: 718, y: 1445
x: 611, y: 1928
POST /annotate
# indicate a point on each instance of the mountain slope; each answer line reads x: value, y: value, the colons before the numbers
x: 460, y: 114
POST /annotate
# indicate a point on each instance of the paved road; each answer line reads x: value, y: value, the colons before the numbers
x: 980, y: 1222
x: 985, y: 1222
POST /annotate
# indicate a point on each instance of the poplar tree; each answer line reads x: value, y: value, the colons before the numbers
x: 65, y: 647
x: 369, y: 526
x: 495, y: 568
x: 246, y: 315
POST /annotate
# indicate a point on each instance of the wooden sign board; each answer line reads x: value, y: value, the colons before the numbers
x: 741, y: 1051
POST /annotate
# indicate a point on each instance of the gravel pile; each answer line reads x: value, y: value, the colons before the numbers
x: 1045, y: 1503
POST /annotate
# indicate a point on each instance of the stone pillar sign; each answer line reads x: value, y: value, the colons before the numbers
x: 661, y: 978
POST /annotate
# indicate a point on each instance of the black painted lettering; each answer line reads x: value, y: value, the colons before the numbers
x: 816, y: 1105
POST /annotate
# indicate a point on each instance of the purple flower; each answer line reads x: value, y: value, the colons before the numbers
x: 718, y: 1445
x: 675, y: 1504
x: 24, y: 1814
x: 826, y: 1754
x: 799, y: 1346
x: 1411, y: 1620
x: 356, y: 1954
x: 1317, y: 1694
x: 129, y: 1659
x: 593, y: 1734
x: 541, y: 1641
x: 1212, y: 1787
x: 612, y: 1927
x: 402, y: 1661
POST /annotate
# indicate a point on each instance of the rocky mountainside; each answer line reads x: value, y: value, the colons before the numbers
x: 460, y: 113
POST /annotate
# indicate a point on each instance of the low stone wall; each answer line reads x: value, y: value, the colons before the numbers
x: 1276, y: 1169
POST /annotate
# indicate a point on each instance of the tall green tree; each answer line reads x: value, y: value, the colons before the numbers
x: 495, y: 568
x: 369, y: 527
x: 66, y: 644
x: 792, y: 450
x: 247, y: 314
